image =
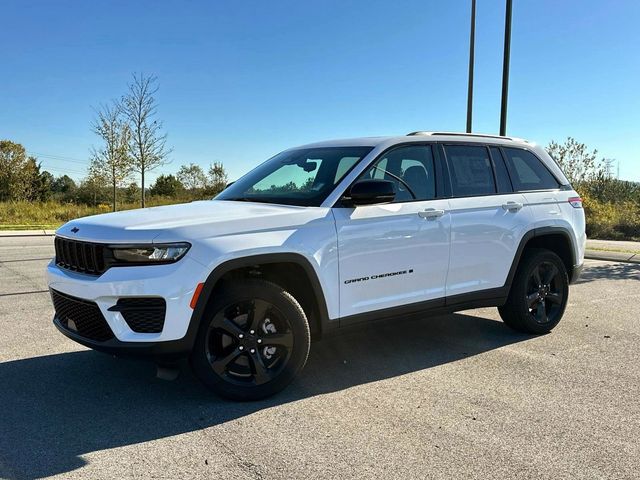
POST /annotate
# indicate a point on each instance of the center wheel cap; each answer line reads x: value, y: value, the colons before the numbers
x: 248, y: 342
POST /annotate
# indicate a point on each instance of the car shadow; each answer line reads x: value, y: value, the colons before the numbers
x: 56, y: 408
x: 610, y: 271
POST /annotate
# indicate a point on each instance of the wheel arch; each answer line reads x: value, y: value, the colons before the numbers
x: 554, y: 238
x: 319, y: 324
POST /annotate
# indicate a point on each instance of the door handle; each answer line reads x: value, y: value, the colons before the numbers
x: 431, y: 213
x: 512, y: 206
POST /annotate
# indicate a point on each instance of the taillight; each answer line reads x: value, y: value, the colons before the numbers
x: 576, y: 202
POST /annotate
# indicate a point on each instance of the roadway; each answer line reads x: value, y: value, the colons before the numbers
x: 458, y: 396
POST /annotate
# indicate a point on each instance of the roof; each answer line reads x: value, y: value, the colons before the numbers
x: 421, y: 136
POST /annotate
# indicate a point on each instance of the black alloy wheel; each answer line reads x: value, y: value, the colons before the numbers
x: 249, y: 342
x: 253, y: 340
x: 539, y: 292
x: 545, y: 293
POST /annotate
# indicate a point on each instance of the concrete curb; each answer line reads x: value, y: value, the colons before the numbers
x: 612, y: 256
x: 26, y: 233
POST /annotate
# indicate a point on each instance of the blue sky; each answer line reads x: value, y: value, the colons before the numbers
x: 242, y: 80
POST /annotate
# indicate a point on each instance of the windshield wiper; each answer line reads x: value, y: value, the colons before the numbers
x: 245, y: 199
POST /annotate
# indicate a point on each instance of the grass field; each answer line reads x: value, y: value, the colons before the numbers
x: 50, y: 215
x: 606, y: 221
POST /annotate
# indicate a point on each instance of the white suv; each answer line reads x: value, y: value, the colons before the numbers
x: 317, y: 238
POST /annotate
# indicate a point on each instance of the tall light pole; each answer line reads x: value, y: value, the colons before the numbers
x: 505, y: 69
x: 472, y: 41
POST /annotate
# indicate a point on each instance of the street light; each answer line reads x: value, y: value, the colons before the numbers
x: 505, y: 69
x: 472, y: 37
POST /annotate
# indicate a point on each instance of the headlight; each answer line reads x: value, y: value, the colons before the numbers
x: 149, y: 254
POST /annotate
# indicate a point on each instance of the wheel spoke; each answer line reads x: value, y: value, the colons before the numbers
x: 260, y: 371
x: 279, y: 339
x: 541, y: 313
x: 532, y: 298
x: 258, y: 313
x: 536, y: 276
x: 550, y: 274
x: 219, y: 364
x: 230, y: 327
x: 554, y: 297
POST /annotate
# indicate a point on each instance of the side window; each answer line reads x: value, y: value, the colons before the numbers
x: 528, y: 172
x: 411, y: 168
x: 502, y: 176
x: 470, y: 169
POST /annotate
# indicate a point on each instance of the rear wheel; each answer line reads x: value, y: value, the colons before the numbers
x: 254, y: 340
x: 539, y: 293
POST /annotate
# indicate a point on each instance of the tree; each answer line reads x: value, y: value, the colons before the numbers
x: 217, y: 178
x: 16, y: 172
x: 132, y: 192
x: 111, y: 161
x: 34, y: 187
x: 578, y: 163
x: 46, y: 183
x: 63, y: 184
x: 147, y: 145
x: 192, y: 177
x: 166, y: 185
x: 93, y: 186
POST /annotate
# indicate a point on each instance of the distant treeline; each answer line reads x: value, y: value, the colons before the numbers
x: 22, y: 179
x: 612, y: 206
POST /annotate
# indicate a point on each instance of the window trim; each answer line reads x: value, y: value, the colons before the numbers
x: 441, y: 192
x: 506, y: 169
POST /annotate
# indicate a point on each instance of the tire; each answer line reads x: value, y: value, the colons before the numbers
x: 253, y: 340
x: 539, y: 293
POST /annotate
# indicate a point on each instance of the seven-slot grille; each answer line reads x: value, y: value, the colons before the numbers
x: 80, y: 257
x: 81, y: 316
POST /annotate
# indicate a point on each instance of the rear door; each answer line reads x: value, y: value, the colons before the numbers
x: 536, y: 182
x: 488, y: 219
x: 398, y: 253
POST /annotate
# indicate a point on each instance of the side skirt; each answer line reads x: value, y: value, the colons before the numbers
x: 492, y: 297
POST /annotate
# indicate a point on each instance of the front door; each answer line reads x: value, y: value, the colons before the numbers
x: 398, y: 253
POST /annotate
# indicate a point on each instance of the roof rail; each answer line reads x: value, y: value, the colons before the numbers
x: 457, y: 134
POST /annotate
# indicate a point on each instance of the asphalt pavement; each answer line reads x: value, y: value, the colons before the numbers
x: 457, y: 396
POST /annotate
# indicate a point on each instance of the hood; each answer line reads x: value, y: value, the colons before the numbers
x: 186, y: 221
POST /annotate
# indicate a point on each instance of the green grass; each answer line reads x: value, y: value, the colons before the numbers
x: 30, y: 227
x: 605, y: 220
x: 616, y: 250
x: 50, y: 215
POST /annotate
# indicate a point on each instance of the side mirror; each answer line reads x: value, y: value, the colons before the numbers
x: 372, y: 191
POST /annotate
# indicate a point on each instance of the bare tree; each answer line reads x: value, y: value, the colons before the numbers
x: 111, y: 161
x: 147, y: 145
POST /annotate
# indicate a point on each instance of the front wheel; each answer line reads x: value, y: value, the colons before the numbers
x: 253, y: 341
x: 538, y: 294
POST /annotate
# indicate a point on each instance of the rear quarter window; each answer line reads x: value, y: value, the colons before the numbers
x: 528, y: 172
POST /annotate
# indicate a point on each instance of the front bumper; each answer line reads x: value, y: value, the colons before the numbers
x: 575, y: 273
x: 175, y: 283
x: 172, y: 349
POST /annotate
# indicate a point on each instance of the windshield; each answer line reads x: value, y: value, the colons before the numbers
x: 302, y: 177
